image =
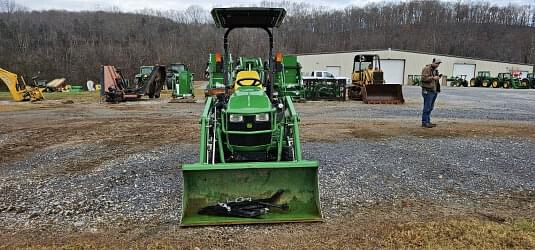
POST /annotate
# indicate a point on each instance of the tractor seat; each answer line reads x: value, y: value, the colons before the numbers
x: 247, y: 78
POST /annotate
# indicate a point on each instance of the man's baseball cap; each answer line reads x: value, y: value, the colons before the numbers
x: 437, y: 61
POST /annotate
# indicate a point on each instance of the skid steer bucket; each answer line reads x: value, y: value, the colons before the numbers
x: 290, y: 188
x: 382, y: 94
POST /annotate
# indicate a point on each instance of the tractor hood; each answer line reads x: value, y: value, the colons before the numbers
x: 249, y: 100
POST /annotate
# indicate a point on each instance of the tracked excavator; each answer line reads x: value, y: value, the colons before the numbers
x: 19, y: 90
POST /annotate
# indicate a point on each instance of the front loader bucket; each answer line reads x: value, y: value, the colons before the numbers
x: 207, y: 185
x: 382, y: 94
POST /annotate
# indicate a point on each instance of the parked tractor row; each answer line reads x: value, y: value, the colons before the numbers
x: 503, y: 80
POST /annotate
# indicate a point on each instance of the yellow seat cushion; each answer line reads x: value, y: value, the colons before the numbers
x: 244, y: 75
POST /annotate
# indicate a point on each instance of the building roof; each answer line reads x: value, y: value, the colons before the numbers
x: 413, y: 51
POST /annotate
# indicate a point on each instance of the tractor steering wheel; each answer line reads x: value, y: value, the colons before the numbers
x: 256, y: 82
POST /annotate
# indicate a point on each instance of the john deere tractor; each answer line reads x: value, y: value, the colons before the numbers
x: 180, y: 82
x: 289, y: 81
x: 483, y: 79
x: 214, y: 73
x: 143, y: 76
x: 458, y: 81
x: 529, y: 80
x: 415, y: 80
x: 506, y: 80
x: 250, y: 168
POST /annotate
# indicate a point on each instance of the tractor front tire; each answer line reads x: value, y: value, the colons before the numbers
x: 485, y: 83
x: 495, y: 84
x: 506, y: 84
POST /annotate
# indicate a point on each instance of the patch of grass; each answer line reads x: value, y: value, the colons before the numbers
x: 463, y: 233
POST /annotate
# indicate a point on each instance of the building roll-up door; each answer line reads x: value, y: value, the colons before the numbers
x: 460, y: 69
x: 335, y: 70
x: 394, y: 70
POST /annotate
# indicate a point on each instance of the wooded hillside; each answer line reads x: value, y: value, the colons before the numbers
x: 75, y: 44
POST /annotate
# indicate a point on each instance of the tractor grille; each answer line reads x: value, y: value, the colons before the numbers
x: 250, y: 140
x: 249, y: 124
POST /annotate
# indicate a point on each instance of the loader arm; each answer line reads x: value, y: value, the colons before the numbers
x: 16, y: 89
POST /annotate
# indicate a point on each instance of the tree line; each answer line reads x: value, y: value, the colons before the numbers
x: 74, y: 44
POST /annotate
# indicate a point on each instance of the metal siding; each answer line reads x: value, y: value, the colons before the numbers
x: 414, y: 62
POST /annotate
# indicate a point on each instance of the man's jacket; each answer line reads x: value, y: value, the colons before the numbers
x: 427, y: 79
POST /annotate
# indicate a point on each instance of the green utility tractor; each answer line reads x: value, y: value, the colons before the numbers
x: 250, y: 64
x: 214, y: 74
x: 458, y: 81
x: 143, y: 76
x: 529, y: 80
x: 506, y: 80
x: 415, y: 80
x: 483, y: 79
x: 251, y: 168
x: 180, y: 81
x: 289, y: 81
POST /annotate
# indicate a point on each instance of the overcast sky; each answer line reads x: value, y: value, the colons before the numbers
x: 131, y: 5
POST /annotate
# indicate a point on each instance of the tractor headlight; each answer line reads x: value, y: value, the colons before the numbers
x: 236, y: 118
x: 262, y: 117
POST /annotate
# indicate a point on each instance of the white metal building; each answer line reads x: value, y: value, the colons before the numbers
x: 399, y: 64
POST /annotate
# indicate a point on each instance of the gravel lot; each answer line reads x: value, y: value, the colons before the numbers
x: 107, y: 188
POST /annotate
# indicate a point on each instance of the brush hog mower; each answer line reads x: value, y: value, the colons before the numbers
x: 250, y: 168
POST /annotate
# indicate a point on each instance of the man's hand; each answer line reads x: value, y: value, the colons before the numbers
x: 436, y: 77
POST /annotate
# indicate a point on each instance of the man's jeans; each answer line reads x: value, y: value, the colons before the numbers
x: 429, y: 104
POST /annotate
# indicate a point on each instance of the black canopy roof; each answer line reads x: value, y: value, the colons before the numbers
x: 248, y: 17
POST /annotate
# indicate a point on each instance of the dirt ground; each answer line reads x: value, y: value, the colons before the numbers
x: 504, y: 221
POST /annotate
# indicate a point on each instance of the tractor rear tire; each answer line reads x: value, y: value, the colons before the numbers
x: 506, y: 85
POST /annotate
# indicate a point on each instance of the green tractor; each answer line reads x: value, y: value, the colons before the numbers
x: 529, y: 80
x: 415, y: 80
x: 506, y: 80
x: 289, y: 81
x: 143, y: 76
x: 214, y: 74
x: 458, y: 81
x: 251, y: 168
x: 483, y: 79
x: 180, y: 81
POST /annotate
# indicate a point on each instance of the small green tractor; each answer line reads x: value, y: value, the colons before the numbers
x: 215, y: 74
x: 529, y: 80
x: 415, y: 80
x: 289, y: 81
x: 458, y: 81
x: 483, y: 79
x: 180, y: 82
x: 251, y: 168
x: 506, y: 81
x: 143, y: 76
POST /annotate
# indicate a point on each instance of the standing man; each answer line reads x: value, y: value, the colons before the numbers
x: 430, y: 89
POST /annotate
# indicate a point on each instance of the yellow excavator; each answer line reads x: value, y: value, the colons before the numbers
x: 18, y: 88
